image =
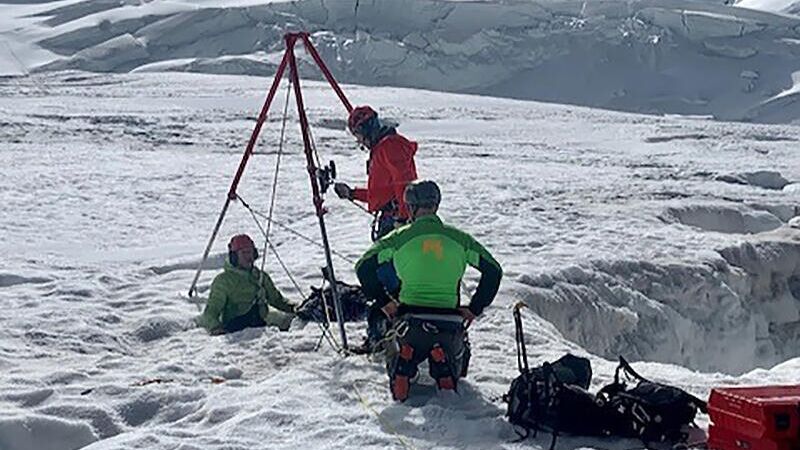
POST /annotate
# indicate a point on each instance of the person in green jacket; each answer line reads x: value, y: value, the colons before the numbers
x: 241, y: 295
x: 414, y: 274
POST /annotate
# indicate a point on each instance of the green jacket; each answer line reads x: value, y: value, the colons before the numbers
x: 428, y: 258
x: 233, y: 293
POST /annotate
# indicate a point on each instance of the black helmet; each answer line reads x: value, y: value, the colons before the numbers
x: 423, y: 194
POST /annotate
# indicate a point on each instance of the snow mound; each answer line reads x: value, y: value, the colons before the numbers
x: 10, y: 279
x: 29, y: 398
x: 731, y: 314
x: 767, y: 179
x: 155, y: 328
x: 36, y: 432
x: 780, y: 6
x: 104, y: 421
x: 67, y: 13
x: 223, y: 65
x: 163, y: 406
x: 783, y: 211
x: 117, y: 53
x: 213, y: 262
x: 724, y: 219
x: 682, y: 57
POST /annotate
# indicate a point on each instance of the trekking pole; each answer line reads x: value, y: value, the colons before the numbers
x: 522, y: 353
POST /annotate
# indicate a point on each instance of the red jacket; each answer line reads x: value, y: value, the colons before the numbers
x: 391, y: 168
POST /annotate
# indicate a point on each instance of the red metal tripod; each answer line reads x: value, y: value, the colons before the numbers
x: 313, y: 171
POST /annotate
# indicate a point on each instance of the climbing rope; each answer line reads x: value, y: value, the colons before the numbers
x: 275, y: 252
x: 326, y: 333
x: 361, y: 207
x: 267, y: 242
x: 293, y: 231
x: 314, y: 148
x: 325, y: 328
x: 386, y: 425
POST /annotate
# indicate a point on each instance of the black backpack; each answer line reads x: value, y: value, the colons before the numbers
x: 354, y: 304
x: 652, y: 412
x: 553, y: 397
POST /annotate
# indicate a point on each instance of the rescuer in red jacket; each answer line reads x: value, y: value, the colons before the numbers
x: 389, y: 169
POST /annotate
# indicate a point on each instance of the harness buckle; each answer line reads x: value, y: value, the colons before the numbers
x: 430, y: 328
x: 401, y: 329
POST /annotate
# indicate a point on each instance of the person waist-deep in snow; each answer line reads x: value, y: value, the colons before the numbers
x: 414, y: 275
x: 241, y: 295
x: 389, y: 169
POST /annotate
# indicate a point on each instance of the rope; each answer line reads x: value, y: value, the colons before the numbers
x: 277, y: 256
x: 325, y: 308
x: 324, y: 278
x: 294, y: 232
x: 359, y: 206
x: 328, y: 250
x: 267, y: 242
x: 286, y: 269
x: 330, y: 337
x: 326, y: 333
x: 388, y: 426
x: 314, y: 147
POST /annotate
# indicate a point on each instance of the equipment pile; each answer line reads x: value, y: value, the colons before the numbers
x: 554, y: 397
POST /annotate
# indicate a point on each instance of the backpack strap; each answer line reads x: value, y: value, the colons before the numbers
x: 626, y: 368
x: 630, y: 373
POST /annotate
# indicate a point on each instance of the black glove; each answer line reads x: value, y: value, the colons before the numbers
x: 343, y: 191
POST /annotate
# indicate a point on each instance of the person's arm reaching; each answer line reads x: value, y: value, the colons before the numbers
x: 372, y: 268
x: 274, y: 296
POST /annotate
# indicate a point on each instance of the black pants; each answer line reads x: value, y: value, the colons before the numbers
x: 377, y: 326
x: 250, y: 319
x: 428, y: 337
x: 377, y: 323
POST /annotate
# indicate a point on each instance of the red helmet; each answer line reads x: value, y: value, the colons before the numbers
x: 239, y: 242
x: 359, y: 116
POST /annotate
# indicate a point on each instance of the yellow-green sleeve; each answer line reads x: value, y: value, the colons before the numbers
x: 210, y: 319
x: 275, y: 298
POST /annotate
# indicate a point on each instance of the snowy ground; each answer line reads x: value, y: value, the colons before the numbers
x: 659, y: 238
x: 652, y: 56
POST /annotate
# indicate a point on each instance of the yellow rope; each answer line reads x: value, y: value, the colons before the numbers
x: 388, y: 426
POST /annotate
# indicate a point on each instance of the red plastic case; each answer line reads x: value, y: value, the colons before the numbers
x: 755, y: 418
x: 724, y: 439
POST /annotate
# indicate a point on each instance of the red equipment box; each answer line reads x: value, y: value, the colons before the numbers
x: 725, y: 439
x: 758, y: 418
